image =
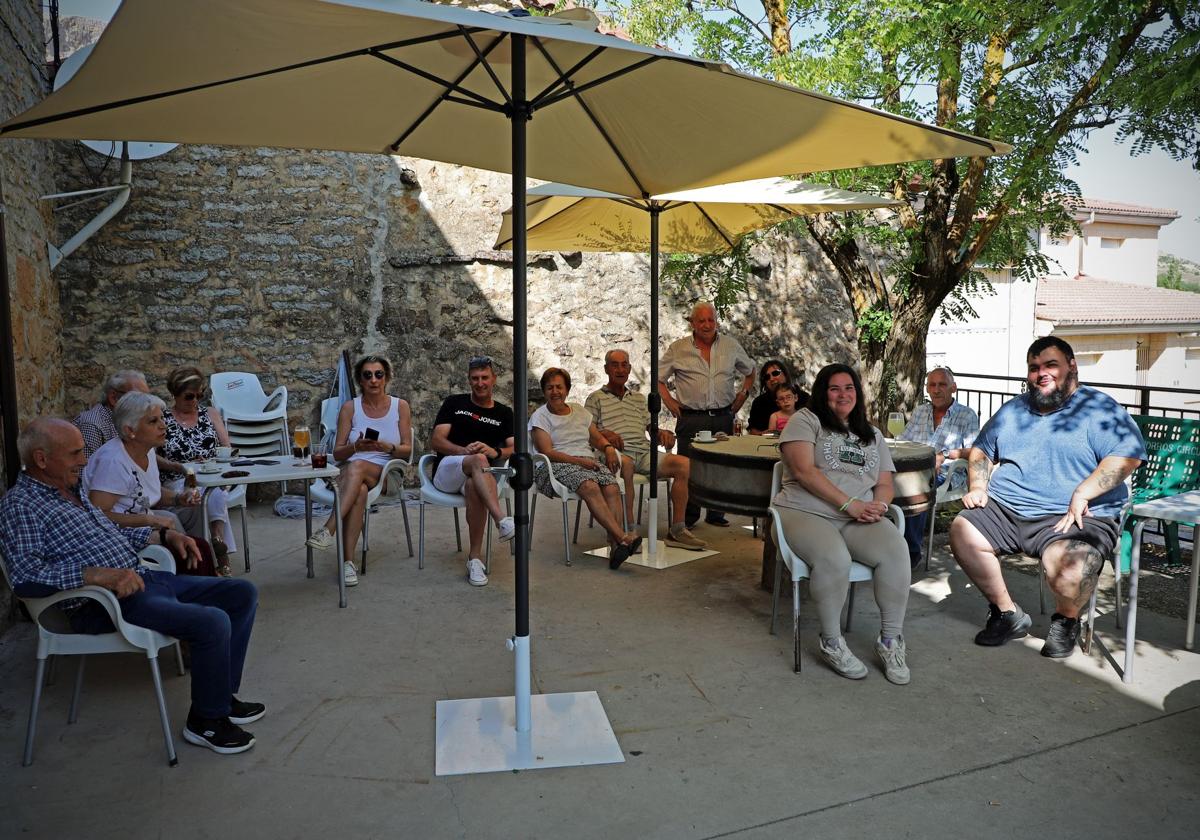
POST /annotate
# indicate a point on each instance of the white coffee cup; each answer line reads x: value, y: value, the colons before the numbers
x: 224, y: 452
x: 704, y: 436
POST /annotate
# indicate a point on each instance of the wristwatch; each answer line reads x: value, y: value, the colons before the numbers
x: 162, y: 536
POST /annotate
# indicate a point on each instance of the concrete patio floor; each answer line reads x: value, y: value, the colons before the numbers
x: 720, y: 738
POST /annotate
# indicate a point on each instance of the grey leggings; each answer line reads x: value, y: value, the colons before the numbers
x: 828, y: 545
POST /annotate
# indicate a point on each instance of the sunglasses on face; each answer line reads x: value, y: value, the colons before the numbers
x: 377, y: 374
x: 771, y: 374
x: 190, y: 395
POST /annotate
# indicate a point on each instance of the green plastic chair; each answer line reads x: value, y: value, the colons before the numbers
x: 1172, y: 466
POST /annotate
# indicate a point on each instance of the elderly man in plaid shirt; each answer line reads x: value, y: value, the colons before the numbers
x: 55, y: 539
x: 96, y: 423
x: 950, y: 428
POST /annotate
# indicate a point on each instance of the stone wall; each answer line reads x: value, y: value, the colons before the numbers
x: 272, y: 261
x: 26, y: 169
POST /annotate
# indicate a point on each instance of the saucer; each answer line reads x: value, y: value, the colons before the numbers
x: 210, y: 468
x: 710, y: 440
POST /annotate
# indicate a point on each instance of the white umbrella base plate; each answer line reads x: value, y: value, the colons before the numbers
x: 480, y: 735
x: 665, y: 556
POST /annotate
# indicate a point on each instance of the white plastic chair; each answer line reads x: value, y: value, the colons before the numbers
x: 321, y: 492
x: 641, y: 482
x: 56, y: 638
x: 253, y: 430
x: 944, y: 495
x: 430, y: 495
x: 785, y: 555
x: 236, y: 499
x: 240, y: 398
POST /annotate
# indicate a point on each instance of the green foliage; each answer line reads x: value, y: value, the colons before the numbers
x: 720, y: 278
x: 875, y: 325
x: 1180, y: 274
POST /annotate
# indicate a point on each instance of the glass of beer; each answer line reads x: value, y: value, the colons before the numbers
x: 895, y: 424
x: 301, y: 438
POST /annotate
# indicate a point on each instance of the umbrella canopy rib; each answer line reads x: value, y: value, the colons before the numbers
x: 287, y: 68
x: 616, y: 74
x: 575, y: 92
x: 715, y: 226
x: 473, y: 98
x: 564, y: 79
x: 481, y: 58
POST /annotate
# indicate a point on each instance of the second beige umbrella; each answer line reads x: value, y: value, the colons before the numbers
x: 710, y: 220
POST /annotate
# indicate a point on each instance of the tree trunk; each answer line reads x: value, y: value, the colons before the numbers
x: 904, y: 359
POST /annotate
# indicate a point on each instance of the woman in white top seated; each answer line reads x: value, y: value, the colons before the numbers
x: 121, y: 479
x: 371, y: 430
x: 564, y: 433
x: 833, y: 507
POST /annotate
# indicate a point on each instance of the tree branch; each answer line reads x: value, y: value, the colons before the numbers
x: 968, y: 192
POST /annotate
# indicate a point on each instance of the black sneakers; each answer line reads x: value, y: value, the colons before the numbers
x: 218, y: 734
x: 1062, y: 637
x: 241, y: 712
x: 1002, y: 627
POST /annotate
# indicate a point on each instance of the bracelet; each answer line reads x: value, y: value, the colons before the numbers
x: 847, y: 504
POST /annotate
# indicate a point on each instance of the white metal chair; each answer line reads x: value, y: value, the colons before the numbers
x: 56, y: 638
x: 566, y: 497
x: 321, y: 492
x: 430, y: 495
x: 787, y: 556
x: 944, y: 495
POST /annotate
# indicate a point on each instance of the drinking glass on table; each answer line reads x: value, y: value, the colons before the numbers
x: 895, y: 424
x: 301, y: 438
x: 320, y: 457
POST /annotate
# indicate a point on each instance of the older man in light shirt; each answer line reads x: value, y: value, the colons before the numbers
x: 950, y: 428
x: 711, y: 376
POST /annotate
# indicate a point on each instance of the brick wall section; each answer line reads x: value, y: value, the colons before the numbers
x: 27, y: 171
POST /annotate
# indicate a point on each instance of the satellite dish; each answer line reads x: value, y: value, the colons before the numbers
x: 109, y: 148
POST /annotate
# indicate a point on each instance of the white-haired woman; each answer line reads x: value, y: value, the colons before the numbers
x: 122, y: 478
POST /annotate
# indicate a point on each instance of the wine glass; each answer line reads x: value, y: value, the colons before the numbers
x: 895, y: 424
x: 301, y: 439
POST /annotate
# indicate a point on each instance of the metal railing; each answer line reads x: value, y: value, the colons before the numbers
x: 985, y: 393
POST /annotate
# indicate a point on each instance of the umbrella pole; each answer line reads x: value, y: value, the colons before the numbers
x: 493, y: 734
x: 522, y: 480
x: 655, y: 400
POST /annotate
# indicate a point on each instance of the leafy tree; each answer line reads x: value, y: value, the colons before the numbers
x: 1039, y: 74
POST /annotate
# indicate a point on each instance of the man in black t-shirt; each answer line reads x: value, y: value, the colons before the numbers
x: 470, y: 433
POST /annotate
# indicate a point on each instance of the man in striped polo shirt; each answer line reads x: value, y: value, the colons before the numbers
x: 623, y: 418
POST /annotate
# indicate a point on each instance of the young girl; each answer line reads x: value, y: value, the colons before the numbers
x: 786, y: 399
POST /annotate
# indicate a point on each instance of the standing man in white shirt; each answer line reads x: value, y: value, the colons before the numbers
x: 711, y: 376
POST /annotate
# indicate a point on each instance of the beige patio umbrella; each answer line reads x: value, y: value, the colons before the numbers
x: 546, y: 97
x: 709, y: 220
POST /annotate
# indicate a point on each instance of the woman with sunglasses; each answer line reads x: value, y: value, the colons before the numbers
x: 193, y: 434
x: 372, y: 429
x: 772, y: 374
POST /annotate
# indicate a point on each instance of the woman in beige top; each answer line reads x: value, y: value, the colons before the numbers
x: 833, y: 504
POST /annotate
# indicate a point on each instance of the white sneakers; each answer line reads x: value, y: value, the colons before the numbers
x: 507, y: 529
x: 475, y: 573
x: 349, y: 573
x: 321, y: 538
x: 891, y: 654
x: 840, y: 659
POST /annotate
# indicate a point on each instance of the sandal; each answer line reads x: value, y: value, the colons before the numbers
x: 223, y: 570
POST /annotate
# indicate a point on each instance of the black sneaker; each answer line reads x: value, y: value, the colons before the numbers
x: 241, y: 712
x: 218, y: 734
x: 1062, y: 637
x: 1002, y: 627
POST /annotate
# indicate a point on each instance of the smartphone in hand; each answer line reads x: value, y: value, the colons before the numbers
x: 371, y: 434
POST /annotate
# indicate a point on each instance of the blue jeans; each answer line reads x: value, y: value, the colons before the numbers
x: 213, y: 615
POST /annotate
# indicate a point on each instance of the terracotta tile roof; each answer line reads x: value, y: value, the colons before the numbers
x: 1084, y: 301
x: 1101, y: 205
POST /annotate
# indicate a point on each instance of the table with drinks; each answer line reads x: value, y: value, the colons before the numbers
x: 306, y: 464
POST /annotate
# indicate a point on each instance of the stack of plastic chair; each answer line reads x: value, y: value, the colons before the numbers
x: 257, y: 423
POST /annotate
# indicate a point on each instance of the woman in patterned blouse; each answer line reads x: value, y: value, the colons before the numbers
x: 193, y: 434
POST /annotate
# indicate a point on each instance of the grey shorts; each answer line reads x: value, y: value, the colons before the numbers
x: 1008, y: 533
